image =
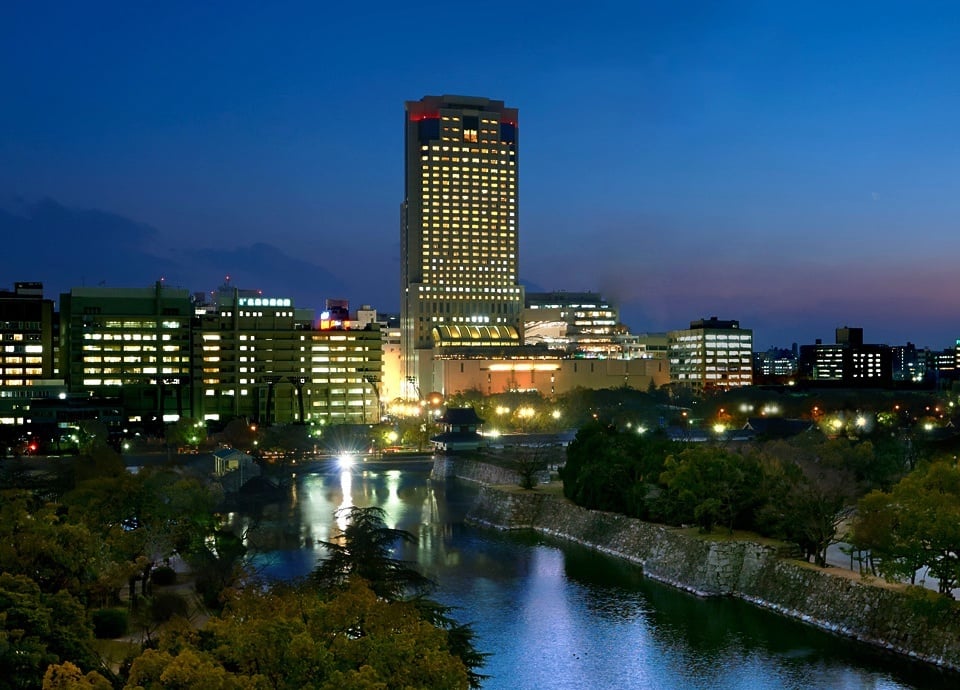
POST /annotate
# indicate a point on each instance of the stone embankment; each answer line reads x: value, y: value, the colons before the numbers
x: 473, y: 471
x: 762, y: 573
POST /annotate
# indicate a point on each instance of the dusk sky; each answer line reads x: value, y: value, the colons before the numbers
x: 795, y: 166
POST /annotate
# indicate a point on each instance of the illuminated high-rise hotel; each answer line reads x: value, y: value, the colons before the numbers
x: 459, y: 232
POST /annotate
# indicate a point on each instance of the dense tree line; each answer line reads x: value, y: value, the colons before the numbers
x: 94, y: 538
x: 914, y: 525
x: 800, y: 490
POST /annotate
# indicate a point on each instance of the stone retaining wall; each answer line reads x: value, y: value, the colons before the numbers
x: 473, y: 471
x: 842, y: 603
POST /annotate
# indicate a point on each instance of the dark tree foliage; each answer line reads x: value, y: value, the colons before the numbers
x: 800, y: 490
x: 37, y: 629
x: 915, y: 524
x: 364, y: 552
x: 607, y: 469
x: 711, y: 486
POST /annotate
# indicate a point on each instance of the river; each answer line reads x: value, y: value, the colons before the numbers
x: 554, y: 615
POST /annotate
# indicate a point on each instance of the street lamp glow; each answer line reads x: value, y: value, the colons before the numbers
x: 719, y: 428
x: 555, y: 414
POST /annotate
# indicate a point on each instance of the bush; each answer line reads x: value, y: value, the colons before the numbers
x: 110, y: 623
x: 166, y: 605
x: 163, y: 576
x: 936, y: 608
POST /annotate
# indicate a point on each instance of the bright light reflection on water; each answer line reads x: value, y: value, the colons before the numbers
x: 554, y: 615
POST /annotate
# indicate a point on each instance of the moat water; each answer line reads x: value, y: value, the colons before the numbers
x: 556, y: 615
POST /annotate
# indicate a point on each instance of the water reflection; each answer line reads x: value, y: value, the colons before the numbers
x: 556, y: 615
x: 346, y: 498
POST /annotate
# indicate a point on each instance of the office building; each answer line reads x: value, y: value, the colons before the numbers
x: 459, y: 232
x: 712, y: 354
x: 262, y: 359
x: 581, y: 323
x: 28, y: 371
x: 132, y: 344
x: 848, y: 362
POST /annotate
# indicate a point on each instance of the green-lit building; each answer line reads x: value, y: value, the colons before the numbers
x: 161, y: 353
x: 132, y: 344
x: 262, y: 359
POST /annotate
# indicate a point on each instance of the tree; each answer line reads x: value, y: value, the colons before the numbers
x: 364, y: 554
x: 287, y: 638
x: 608, y: 469
x: 145, y: 518
x: 238, y: 433
x: 810, y: 487
x: 818, y: 503
x: 916, y: 524
x: 530, y: 463
x: 38, y: 629
x: 185, y: 432
x: 69, y: 676
x: 363, y: 551
x: 37, y: 542
x: 710, y: 485
x: 186, y: 668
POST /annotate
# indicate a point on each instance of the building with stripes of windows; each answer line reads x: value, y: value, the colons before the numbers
x: 459, y: 232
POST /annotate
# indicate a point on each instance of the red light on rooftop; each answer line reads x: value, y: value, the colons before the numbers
x: 416, y: 117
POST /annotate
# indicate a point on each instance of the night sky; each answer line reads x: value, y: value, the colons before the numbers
x: 795, y: 166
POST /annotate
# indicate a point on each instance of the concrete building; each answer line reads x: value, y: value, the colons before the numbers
x: 159, y: 354
x: 546, y: 375
x: 848, y: 362
x: 263, y: 359
x: 712, y: 354
x: 132, y: 344
x: 28, y: 344
x: 573, y: 322
x: 646, y: 346
x: 391, y: 385
x: 459, y: 249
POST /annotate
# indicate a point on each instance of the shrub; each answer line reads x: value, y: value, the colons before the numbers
x: 163, y: 576
x: 110, y: 623
x: 166, y: 605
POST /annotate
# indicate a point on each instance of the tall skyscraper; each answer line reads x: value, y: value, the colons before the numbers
x: 459, y: 232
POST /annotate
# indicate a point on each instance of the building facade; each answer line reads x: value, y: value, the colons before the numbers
x: 262, y: 359
x: 459, y: 245
x: 132, y: 344
x: 159, y: 354
x: 573, y: 322
x: 28, y: 344
x: 712, y: 354
x: 549, y: 376
x: 848, y: 362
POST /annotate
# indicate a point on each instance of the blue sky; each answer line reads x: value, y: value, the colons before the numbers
x: 791, y: 165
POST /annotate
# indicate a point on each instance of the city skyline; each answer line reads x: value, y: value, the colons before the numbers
x: 791, y: 168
